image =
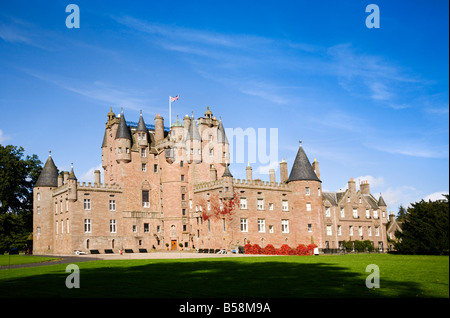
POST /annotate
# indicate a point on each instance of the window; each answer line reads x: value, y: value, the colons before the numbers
x: 260, y: 204
x: 181, y: 163
x: 224, y: 154
x: 360, y: 231
x: 182, y: 177
x: 309, y: 227
x: 284, y: 226
x: 223, y: 225
x: 134, y: 229
x: 377, y: 231
x: 209, y: 225
x: 367, y: 213
x: 119, y: 150
x: 87, y: 225
x: 112, y: 226
x: 342, y: 212
x: 57, y: 227
x: 375, y: 214
x: 155, y: 168
x: 211, y: 152
x: 339, y: 230
x: 146, y: 228
x: 328, y: 229
x: 307, y: 191
x: 67, y: 225
x: 369, y: 231
x: 270, y: 228
x: 112, y: 205
x: 145, y: 199
x: 327, y: 211
x: 348, y: 199
x: 261, y: 225
x: 244, y: 225
x: 143, y: 152
x: 243, y: 203
x: 210, y: 138
x: 39, y: 197
x: 183, y: 196
x: 38, y: 230
x: 350, y: 230
x: 183, y: 211
x: 308, y: 206
x: 318, y: 192
x: 87, y: 204
x: 284, y: 205
x: 144, y: 167
x: 190, y: 204
x: 270, y: 206
x: 355, y: 213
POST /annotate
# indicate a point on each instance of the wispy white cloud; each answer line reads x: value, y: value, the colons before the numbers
x: 436, y: 196
x: 88, y: 176
x: 101, y: 91
x: 3, y: 137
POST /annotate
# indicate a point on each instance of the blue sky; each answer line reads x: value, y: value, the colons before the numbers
x: 371, y: 104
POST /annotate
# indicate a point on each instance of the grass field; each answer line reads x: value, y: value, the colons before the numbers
x: 278, y: 276
x: 23, y: 259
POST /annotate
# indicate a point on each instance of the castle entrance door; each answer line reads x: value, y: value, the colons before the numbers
x: 174, y: 245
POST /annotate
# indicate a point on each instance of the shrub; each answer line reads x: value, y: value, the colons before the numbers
x: 269, y: 250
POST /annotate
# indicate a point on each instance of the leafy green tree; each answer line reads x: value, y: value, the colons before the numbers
x: 425, y: 229
x: 18, y: 174
x: 401, y: 215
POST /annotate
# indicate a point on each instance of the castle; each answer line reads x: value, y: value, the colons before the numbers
x: 164, y: 188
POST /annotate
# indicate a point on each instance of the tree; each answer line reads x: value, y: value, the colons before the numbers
x: 425, y: 229
x: 401, y: 215
x: 17, y: 178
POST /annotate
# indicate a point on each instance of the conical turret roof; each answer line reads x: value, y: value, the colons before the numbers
x: 227, y: 172
x: 302, y: 169
x: 122, y: 130
x: 141, y: 124
x: 381, y: 201
x: 221, y: 136
x: 193, y: 133
x: 49, y: 175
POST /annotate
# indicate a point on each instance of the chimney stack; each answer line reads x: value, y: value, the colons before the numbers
x: 272, y: 176
x: 315, y: 167
x: 283, y: 171
x: 97, y: 177
x: 159, y: 128
x: 248, y: 171
x: 364, y: 187
x: 352, y: 185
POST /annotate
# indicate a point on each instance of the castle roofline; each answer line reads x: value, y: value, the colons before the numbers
x: 49, y: 174
x: 302, y: 168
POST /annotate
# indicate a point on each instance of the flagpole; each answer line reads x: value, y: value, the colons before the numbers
x: 170, y: 112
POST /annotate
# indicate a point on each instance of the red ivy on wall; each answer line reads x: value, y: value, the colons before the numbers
x: 283, y: 250
x: 217, y: 209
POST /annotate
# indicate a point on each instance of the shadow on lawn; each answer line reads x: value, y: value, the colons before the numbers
x: 206, y: 279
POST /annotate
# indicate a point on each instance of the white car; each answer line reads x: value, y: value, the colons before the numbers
x: 80, y: 252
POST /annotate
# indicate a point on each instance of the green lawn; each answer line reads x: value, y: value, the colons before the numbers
x: 23, y: 259
x: 278, y: 276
